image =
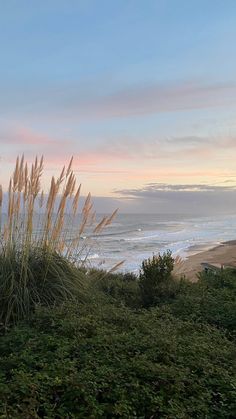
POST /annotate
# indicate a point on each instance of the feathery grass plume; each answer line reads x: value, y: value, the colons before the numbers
x: 49, y: 211
x: 15, y: 174
x: 76, y: 200
x: 9, y: 213
x: 1, y: 195
x: 117, y: 266
x: 40, y: 252
x: 93, y: 218
x: 21, y: 175
x: 69, y: 166
x: 73, y: 187
x: 178, y: 265
x: 100, y: 225
x: 41, y: 199
x: 86, y: 204
x: 62, y: 174
x: 85, y: 214
x: 26, y: 183
x: 111, y: 218
x: 1, y: 198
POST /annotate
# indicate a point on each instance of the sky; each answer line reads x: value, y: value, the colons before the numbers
x: 142, y: 93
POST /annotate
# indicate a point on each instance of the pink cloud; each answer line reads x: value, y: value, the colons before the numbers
x: 24, y: 140
x: 121, y: 155
x: 179, y: 148
x: 23, y: 135
x: 27, y: 136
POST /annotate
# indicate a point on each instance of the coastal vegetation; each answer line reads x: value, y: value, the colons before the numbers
x: 109, y: 357
x: 77, y: 342
x: 42, y: 240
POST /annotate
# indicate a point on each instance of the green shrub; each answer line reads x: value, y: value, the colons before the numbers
x: 211, y: 300
x: 105, y: 361
x: 49, y: 279
x: 224, y: 279
x: 124, y: 288
x: 156, y: 282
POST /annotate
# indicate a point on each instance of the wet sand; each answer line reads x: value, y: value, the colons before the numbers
x: 223, y: 254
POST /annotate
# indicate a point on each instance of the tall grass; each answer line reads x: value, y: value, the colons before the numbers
x: 42, y: 239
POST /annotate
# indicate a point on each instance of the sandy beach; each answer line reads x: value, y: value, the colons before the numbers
x: 224, y: 254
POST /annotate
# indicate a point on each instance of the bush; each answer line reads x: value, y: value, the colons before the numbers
x: 224, y: 279
x: 50, y: 279
x: 102, y: 359
x: 123, y: 288
x: 156, y: 283
x: 105, y: 361
x: 211, y: 300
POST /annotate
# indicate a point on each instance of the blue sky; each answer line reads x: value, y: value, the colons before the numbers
x: 141, y: 90
x: 128, y: 40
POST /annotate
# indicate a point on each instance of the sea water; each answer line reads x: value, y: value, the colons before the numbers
x: 134, y: 237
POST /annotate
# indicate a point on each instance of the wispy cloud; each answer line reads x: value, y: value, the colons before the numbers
x: 159, y: 148
x: 23, y: 135
x: 80, y: 102
x: 26, y: 136
x: 117, y: 149
x: 19, y: 139
x: 149, y: 99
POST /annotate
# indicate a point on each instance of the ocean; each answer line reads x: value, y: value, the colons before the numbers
x: 134, y: 237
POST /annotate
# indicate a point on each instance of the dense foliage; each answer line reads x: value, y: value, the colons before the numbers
x: 211, y: 300
x: 107, y: 361
x: 49, y: 279
x: 111, y: 358
x: 156, y: 283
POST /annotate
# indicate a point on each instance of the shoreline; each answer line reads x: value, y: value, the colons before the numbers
x: 222, y: 253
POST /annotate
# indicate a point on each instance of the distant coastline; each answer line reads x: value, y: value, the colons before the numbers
x: 223, y: 253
